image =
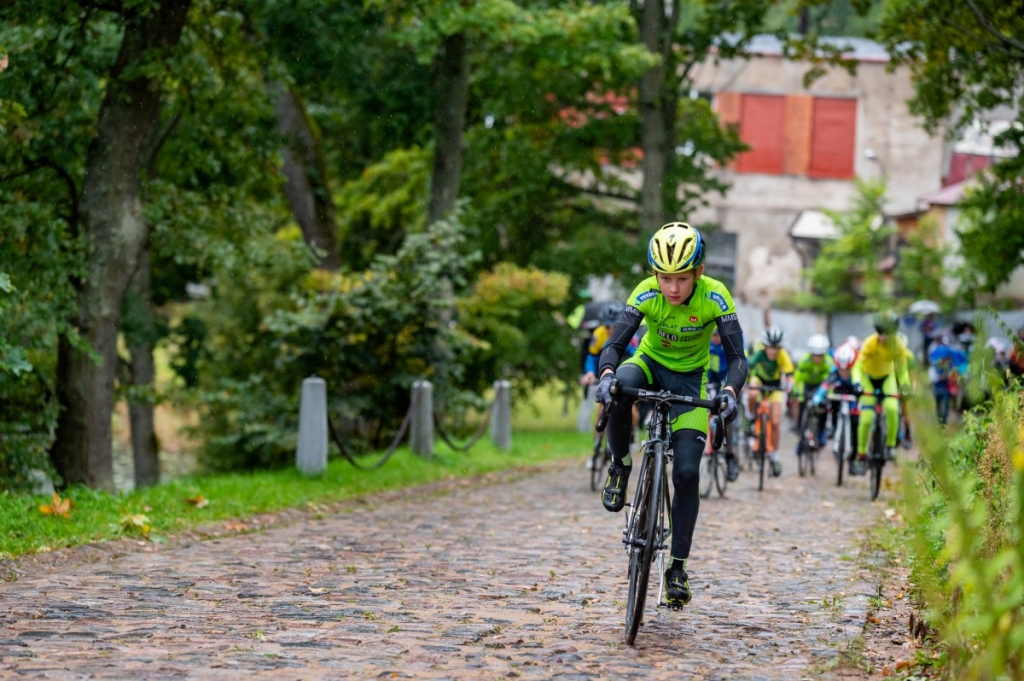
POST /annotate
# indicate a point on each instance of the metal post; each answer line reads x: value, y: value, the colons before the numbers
x: 311, y: 453
x: 501, y: 417
x: 421, y: 427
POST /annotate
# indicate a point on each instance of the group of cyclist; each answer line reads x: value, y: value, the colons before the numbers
x: 694, y: 338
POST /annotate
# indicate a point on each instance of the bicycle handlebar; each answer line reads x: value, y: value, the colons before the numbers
x: 664, y: 396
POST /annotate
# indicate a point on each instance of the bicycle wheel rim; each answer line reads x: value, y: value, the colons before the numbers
x: 840, y: 451
x: 596, y: 468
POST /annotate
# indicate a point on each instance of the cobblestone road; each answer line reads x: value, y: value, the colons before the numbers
x: 524, y: 578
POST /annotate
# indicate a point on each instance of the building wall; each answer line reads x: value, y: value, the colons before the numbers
x: 760, y: 208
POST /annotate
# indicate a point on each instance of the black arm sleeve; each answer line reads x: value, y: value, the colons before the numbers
x: 622, y: 333
x: 732, y: 342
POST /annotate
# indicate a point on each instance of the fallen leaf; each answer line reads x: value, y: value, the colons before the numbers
x: 61, y: 507
x: 316, y: 589
x: 199, y: 501
x: 135, y: 524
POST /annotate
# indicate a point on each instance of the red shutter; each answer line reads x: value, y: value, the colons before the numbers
x: 761, y: 126
x: 833, y: 138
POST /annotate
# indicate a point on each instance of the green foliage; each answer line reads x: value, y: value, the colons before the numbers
x: 512, y: 311
x: 921, y: 268
x: 966, y: 512
x: 845, y: 276
x: 964, y: 67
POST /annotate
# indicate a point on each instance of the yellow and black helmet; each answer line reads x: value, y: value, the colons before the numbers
x: 676, y: 247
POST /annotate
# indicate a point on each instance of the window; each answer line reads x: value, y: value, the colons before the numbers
x: 762, y: 119
x: 793, y: 134
x: 833, y: 133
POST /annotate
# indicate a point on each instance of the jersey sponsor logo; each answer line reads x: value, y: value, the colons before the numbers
x: 633, y: 311
x: 668, y: 336
x: 728, y: 318
x: 665, y: 343
x: 719, y: 300
x: 693, y: 320
x: 684, y: 329
x: 648, y: 295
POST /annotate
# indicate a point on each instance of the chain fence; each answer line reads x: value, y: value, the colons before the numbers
x: 403, y: 430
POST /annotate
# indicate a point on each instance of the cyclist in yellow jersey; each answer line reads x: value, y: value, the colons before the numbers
x: 882, y: 362
x: 680, y: 307
x: 771, y: 367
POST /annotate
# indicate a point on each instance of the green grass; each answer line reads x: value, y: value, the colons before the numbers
x: 97, y: 516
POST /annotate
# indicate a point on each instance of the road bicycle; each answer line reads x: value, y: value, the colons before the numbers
x: 599, y: 461
x: 842, y: 442
x: 808, y: 447
x: 713, y: 464
x: 762, y: 431
x: 876, y: 442
x: 649, y: 516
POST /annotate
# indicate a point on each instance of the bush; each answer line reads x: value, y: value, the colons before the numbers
x: 273, y: 321
x: 966, y: 511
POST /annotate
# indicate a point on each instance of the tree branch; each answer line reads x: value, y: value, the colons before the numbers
x: 596, y: 191
x: 987, y: 25
x: 158, y: 143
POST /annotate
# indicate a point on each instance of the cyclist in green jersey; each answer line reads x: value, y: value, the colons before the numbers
x: 811, y: 371
x: 680, y: 307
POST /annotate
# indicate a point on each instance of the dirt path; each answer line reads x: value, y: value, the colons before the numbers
x: 520, y: 579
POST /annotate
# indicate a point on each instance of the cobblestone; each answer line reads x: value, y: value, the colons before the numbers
x: 523, y: 579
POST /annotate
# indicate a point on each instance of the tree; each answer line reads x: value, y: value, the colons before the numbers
x: 684, y: 36
x: 966, y: 65
x: 110, y: 213
x: 845, y: 276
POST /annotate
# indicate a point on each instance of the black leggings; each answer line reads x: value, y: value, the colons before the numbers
x: 687, y: 445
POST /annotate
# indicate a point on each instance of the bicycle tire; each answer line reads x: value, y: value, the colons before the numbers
x: 762, y: 445
x: 840, y: 448
x: 599, y: 461
x: 707, y: 474
x: 877, y: 459
x: 644, y: 527
x: 721, y: 471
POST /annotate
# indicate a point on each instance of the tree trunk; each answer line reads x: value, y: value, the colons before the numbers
x: 140, y: 338
x: 110, y: 211
x: 451, y: 83
x: 653, y: 124
x: 305, y: 172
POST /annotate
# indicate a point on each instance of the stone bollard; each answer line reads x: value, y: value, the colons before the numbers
x: 311, y: 453
x: 501, y: 417
x: 421, y: 426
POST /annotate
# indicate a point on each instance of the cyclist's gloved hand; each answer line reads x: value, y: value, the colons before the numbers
x: 858, y: 389
x: 904, y: 390
x: 727, y: 405
x: 604, y: 389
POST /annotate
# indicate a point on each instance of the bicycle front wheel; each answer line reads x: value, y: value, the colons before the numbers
x: 839, y: 449
x: 642, y: 537
x: 721, y: 470
x: 762, y: 450
x: 707, y: 474
x: 877, y: 458
x: 598, y: 466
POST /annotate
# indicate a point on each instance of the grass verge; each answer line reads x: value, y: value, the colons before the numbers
x: 188, y: 502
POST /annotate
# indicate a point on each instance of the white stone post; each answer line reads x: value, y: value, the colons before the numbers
x: 585, y: 416
x: 421, y: 427
x: 501, y: 417
x: 311, y: 453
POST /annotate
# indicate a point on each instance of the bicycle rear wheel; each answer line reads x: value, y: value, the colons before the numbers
x: 643, y: 537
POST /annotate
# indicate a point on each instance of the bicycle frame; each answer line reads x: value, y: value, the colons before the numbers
x: 842, y: 446
x: 649, y: 519
x: 877, y: 441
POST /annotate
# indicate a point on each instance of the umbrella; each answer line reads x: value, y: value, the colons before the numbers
x: 924, y: 307
x: 586, y: 316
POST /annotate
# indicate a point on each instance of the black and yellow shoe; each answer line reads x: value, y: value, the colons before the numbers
x: 614, y: 497
x: 677, y: 589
